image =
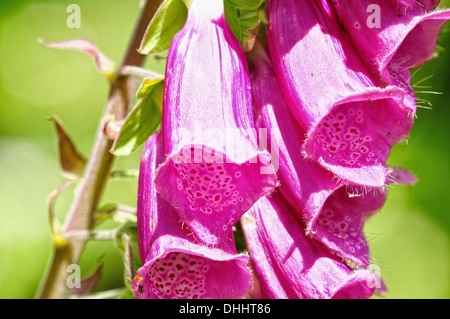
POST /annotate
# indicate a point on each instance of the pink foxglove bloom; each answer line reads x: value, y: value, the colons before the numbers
x: 287, y: 264
x: 304, y: 183
x: 332, y: 212
x: 214, y: 171
x: 393, y: 40
x: 340, y: 224
x: 352, y: 123
x: 175, y: 265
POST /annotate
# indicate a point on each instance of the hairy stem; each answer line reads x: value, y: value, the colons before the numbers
x: 98, y: 167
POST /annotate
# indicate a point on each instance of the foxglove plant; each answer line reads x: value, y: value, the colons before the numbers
x: 287, y: 264
x: 351, y: 121
x: 214, y: 171
x: 332, y: 92
x: 175, y: 265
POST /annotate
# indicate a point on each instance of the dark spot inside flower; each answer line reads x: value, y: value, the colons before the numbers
x: 140, y: 288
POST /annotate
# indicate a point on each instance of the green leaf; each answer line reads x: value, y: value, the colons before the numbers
x: 246, y: 4
x: 232, y: 19
x: 72, y: 162
x: 147, y: 87
x: 142, y: 121
x: 168, y: 20
x: 248, y: 21
x: 244, y: 19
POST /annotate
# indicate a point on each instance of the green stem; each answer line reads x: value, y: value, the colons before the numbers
x: 90, y: 189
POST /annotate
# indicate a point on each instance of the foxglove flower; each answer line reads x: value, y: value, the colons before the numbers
x: 287, y: 264
x: 351, y: 122
x: 175, y: 265
x: 214, y: 171
x: 393, y: 40
x: 333, y: 213
x: 304, y: 183
x: 340, y: 223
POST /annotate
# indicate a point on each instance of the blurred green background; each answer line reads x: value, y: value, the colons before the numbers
x: 409, y: 238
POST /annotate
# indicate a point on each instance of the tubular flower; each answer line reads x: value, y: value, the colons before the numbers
x: 214, y: 171
x: 340, y: 223
x: 393, y: 40
x: 303, y: 183
x: 287, y: 264
x: 351, y: 122
x: 333, y: 213
x: 175, y: 265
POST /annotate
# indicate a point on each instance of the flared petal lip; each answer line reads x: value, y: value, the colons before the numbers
x: 375, y: 93
x: 384, y: 61
x: 204, y: 252
x: 205, y: 234
x: 359, y: 277
x: 362, y: 261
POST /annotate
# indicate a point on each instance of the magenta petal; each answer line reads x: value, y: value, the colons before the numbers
x: 303, y: 183
x: 175, y: 265
x: 405, y: 3
x: 352, y: 124
x: 426, y: 5
x: 290, y: 265
x: 403, y: 39
x: 341, y: 223
x: 214, y: 171
x: 399, y: 175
